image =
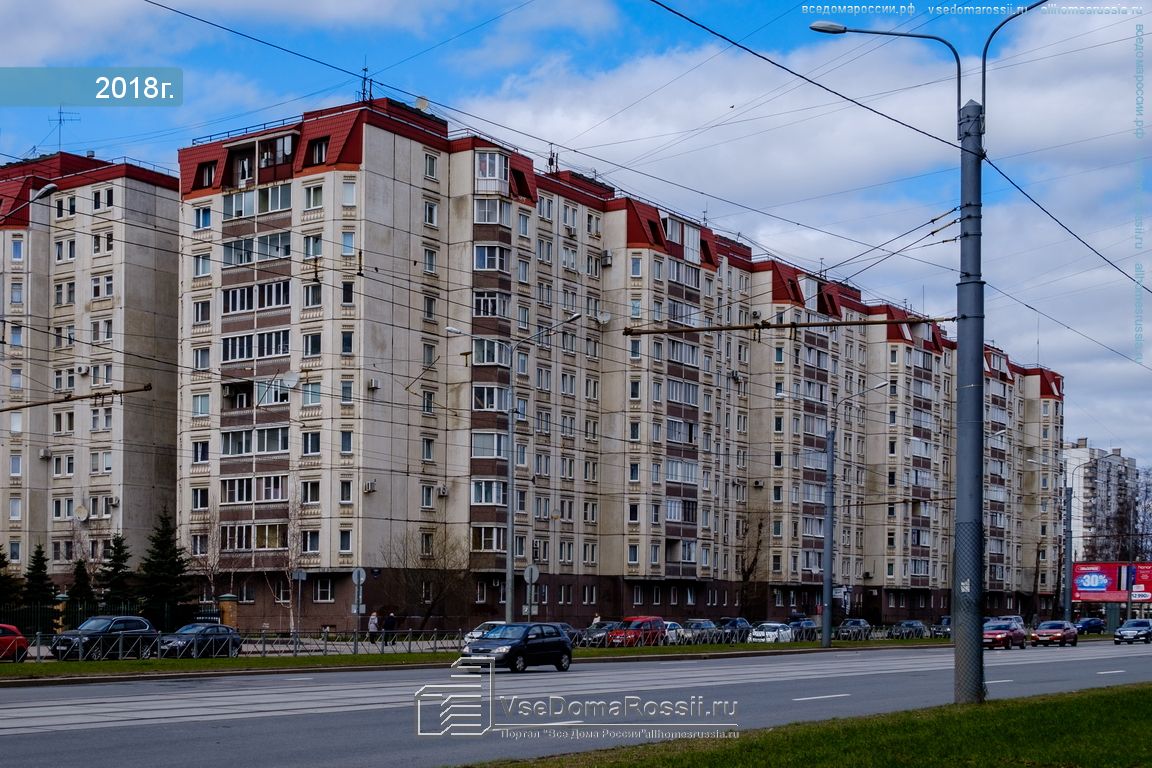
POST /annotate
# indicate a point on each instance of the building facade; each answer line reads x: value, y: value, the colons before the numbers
x: 88, y: 367
x: 367, y: 300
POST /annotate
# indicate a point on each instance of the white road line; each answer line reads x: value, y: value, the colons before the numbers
x: 994, y: 682
x: 829, y: 696
x: 1113, y: 672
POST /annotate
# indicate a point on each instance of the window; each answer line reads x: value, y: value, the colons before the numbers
x: 15, y: 464
x: 310, y: 392
x: 309, y: 542
x: 278, y: 198
x: 311, y: 345
x: 431, y: 213
x: 345, y: 541
x: 430, y: 260
x: 633, y: 554
x: 313, y: 295
x: 346, y: 342
x: 17, y: 249
x: 202, y: 311
x: 347, y: 243
x: 313, y: 246
x: 16, y: 293
x: 318, y: 151
x: 238, y: 205
x: 311, y: 443
x: 491, y: 257
x: 346, y: 441
x: 200, y: 404
x: 102, y: 286
x: 431, y: 166
x: 202, y: 217
x: 313, y: 197
x: 348, y: 193
x: 199, y: 451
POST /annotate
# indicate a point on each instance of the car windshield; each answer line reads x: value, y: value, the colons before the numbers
x: 190, y: 629
x: 505, y: 632
x: 997, y: 626
x: 1051, y: 625
x: 1137, y: 624
x: 95, y: 625
x: 637, y: 624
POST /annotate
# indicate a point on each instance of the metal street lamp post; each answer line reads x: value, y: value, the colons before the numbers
x: 510, y: 448
x: 968, y: 565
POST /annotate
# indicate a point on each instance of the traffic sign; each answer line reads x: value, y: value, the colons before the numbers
x: 531, y: 574
x: 358, y: 576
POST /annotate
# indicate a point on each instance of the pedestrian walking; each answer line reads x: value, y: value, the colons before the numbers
x: 373, y: 627
x: 390, y: 629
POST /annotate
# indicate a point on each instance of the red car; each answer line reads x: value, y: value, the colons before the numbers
x: 1004, y: 634
x: 1050, y: 632
x: 13, y: 644
x: 636, y: 630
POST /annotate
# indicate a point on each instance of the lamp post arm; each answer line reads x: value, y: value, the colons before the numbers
x: 988, y: 42
x: 955, y: 53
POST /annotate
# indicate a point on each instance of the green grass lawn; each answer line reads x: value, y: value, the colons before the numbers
x: 1105, y: 727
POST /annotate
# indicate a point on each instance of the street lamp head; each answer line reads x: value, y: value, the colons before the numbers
x: 828, y: 27
x: 454, y: 330
x: 44, y: 191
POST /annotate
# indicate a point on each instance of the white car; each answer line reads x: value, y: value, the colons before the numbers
x: 479, y: 632
x: 674, y: 634
x: 771, y: 632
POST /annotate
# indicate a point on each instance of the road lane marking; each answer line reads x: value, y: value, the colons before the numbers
x: 994, y: 682
x: 829, y: 696
x: 1112, y: 672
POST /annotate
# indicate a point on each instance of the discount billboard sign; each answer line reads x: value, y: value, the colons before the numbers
x: 1112, y: 582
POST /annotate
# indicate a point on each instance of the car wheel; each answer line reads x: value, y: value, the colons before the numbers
x: 1117, y: 642
x: 563, y: 662
x: 1074, y: 641
x: 145, y: 652
x: 233, y: 651
x: 1035, y: 644
x: 1147, y: 640
x: 519, y: 664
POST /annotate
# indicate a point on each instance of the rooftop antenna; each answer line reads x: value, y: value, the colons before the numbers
x: 551, y: 159
x: 705, y: 222
x: 61, y: 118
x: 365, y: 83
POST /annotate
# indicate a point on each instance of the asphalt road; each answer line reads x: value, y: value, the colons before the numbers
x: 351, y: 719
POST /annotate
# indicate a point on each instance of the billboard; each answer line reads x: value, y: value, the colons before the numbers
x: 1112, y: 582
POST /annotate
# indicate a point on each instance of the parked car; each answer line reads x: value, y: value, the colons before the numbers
x: 674, y: 634
x: 574, y: 635
x: 203, y: 639
x: 637, y: 630
x: 521, y: 645
x: 13, y: 644
x: 942, y: 628
x: 1049, y: 632
x: 596, y: 634
x: 854, y: 629
x: 702, y: 630
x: 908, y: 630
x: 770, y: 632
x: 1004, y: 634
x: 1091, y: 626
x: 1133, y: 630
x: 477, y: 633
x: 805, y: 630
x: 106, y: 637
x: 735, y: 630
x: 1014, y: 617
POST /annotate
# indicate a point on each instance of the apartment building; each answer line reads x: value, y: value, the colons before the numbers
x: 367, y: 300
x: 87, y: 373
x: 1105, y: 494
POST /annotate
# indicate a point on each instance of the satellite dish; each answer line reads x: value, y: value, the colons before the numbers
x: 290, y: 379
x: 81, y: 513
x: 422, y: 103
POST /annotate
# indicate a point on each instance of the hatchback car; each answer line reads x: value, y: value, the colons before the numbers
x: 106, y: 637
x: 13, y: 644
x: 596, y: 634
x: 804, y: 629
x: 1091, y: 626
x: 702, y: 630
x: 1004, y: 634
x: 770, y: 632
x: 674, y: 634
x: 195, y: 641
x: 1051, y: 632
x: 1133, y: 630
x: 519, y: 646
x: 908, y: 630
x: 854, y: 629
x: 637, y: 630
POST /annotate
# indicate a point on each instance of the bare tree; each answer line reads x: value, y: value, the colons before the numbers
x: 285, y: 565
x: 748, y: 562
x: 207, y: 565
x: 429, y: 567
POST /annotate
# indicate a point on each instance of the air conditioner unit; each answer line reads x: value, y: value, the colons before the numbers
x: 569, y: 231
x: 82, y: 370
x: 442, y: 490
x: 370, y: 486
x: 226, y: 390
x: 867, y: 574
x: 757, y: 483
x: 736, y: 376
x: 114, y: 501
x: 373, y: 383
x: 45, y: 453
x: 606, y: 258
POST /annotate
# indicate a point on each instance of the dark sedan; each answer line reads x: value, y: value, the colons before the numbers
x: 596, y: 634
x: 519, y: 646
x: 199, y: 640
x: 1050, y: 632
x: 1091, y: 626
x: 804, y: 630
x: 1133, y: 630
x: 1004, y: 634
x: 106, y: 637
x: 908, y: 630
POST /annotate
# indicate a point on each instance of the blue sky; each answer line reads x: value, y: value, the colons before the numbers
x: 625, y: 90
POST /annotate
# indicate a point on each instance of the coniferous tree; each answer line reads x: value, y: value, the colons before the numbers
x: 9, y: 583
x: 81, y: 588
x: 164, y: 580
x: 115, y: 577
x: 38, y: 586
